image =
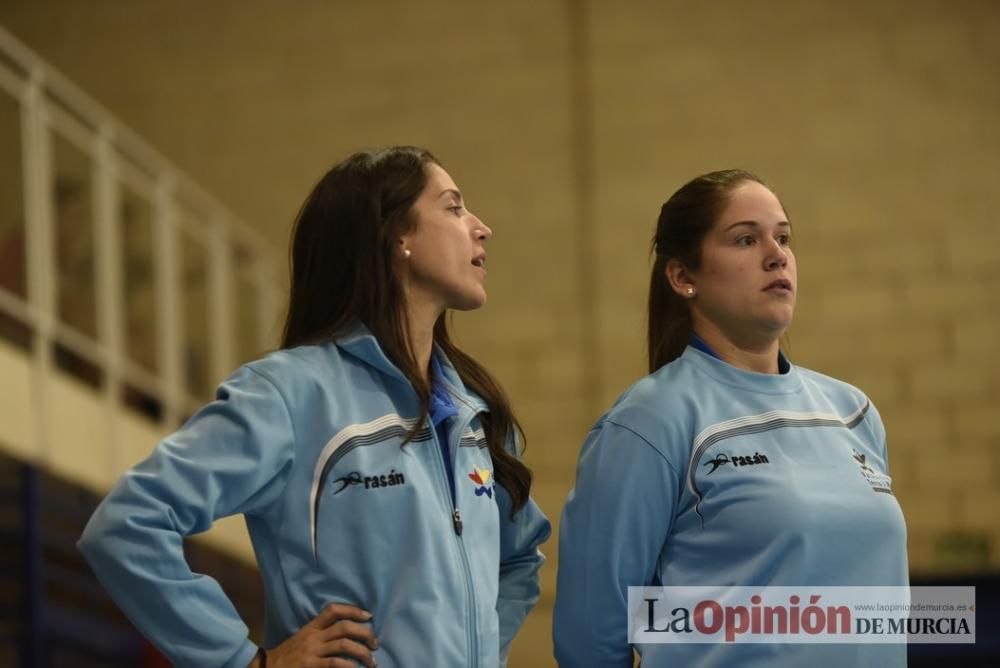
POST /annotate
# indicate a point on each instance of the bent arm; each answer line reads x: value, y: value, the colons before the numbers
x: 230, y: 458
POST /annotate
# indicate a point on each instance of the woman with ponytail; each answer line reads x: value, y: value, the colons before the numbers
x: 727, y: 466
x: 377, y: 465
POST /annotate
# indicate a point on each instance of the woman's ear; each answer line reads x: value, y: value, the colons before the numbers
x: 680, y: 279
x: 403, y: 250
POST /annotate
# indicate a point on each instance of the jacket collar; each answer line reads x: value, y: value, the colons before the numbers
x: 454, y: 383
x: 359, y: 342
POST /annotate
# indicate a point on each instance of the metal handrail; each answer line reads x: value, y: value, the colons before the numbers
x: 49, y: 103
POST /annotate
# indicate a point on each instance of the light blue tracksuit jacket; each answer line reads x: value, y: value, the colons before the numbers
x: 307, y: 444
x: 704, y: 474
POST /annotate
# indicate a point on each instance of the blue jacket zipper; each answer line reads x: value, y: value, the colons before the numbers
x: 456, y: 517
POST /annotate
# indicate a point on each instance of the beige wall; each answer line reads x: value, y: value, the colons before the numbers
x: 568, y: 124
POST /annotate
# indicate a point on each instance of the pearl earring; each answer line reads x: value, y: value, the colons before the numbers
x: 690, y: 292
x: 406, y: 252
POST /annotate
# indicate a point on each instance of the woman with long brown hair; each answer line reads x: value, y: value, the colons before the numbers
x: 375, y: 462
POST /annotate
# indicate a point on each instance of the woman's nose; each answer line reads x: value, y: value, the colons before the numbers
x: 482, y: 230
x: 777, y: 257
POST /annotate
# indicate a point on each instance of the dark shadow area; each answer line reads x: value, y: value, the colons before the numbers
x: 53, y: 611
x: 986, y: 652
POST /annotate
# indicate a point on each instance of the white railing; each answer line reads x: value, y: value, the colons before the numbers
x: 145, y: 282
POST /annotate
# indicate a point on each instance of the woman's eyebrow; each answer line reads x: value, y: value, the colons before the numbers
x: 451, y: 191
x: 754, y: 223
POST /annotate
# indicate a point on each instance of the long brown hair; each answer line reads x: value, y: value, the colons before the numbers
x: 345, y: 269
x: 685, y: 219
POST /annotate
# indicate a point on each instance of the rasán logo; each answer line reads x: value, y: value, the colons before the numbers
x: 482, y: 478
x: 390, y: 479
x: 736, y: 460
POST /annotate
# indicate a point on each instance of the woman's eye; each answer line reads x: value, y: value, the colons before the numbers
x: 784, y: 239
x: 745, y: 241
x: 457, y: 210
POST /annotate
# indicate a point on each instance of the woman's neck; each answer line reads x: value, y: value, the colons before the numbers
x: 420, y: 320
x: 759, y: 356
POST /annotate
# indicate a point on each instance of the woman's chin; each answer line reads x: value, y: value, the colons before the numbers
x: 468, y: 302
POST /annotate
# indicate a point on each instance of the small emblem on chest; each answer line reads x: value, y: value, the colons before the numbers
x: 879, y: 481
x: 481, y: 477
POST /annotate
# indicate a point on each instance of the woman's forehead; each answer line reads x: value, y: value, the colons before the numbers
x: 751, y: 202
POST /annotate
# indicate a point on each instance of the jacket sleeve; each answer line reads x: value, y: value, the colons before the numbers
x: 231, y: 457
x: 520, y: 561
x: 613, y: 529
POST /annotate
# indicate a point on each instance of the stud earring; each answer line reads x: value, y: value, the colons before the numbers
x: 406, y: 252
x: 690, y: 292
